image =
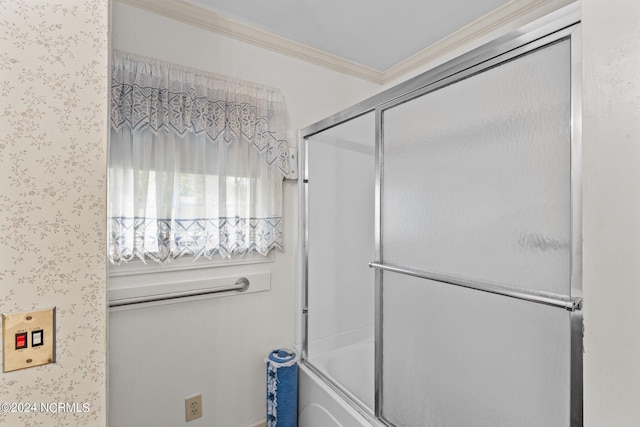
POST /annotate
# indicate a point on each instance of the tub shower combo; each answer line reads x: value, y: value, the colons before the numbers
x: 441, y: 236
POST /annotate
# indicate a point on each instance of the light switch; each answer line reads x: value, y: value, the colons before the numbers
x: 28, y: 339
x: 21, y: 340
x: 36, y: 338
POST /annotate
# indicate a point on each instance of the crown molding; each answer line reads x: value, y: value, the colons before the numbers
x: 512, y: 14
x: 518, y: 12
x: 189, y: 13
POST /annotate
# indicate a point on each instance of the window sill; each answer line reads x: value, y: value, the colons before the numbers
x: 137, y: 267
x: 137, y: 285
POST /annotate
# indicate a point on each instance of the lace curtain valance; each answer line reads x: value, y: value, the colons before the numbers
x: 157, y: 96
x: 196, y: 162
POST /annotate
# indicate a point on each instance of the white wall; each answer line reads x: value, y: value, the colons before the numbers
x: 611, y: 226
x: 160, y: 355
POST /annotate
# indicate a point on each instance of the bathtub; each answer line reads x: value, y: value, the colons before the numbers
x: 321, y: 405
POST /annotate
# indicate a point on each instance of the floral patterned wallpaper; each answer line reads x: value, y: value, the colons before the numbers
x: 53, y: 139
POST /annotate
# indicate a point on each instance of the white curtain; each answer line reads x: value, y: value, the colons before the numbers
x: 196, y: 163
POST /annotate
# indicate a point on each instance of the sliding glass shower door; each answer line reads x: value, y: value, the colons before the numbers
x: 340, y: 181
x: 443, y: 231
x: 477, y: 246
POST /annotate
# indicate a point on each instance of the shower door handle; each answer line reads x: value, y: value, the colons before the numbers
x: 561, y: 301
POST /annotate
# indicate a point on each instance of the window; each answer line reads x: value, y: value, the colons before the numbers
x: 195, y: 164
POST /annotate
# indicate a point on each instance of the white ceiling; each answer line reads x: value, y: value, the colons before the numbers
x: 375, y: 33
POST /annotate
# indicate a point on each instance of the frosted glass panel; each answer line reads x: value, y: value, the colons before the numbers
x: 341, y: 212
x: 477, y: 176
x: 458, y: 357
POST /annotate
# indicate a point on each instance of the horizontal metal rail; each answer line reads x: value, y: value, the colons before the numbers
x: 568, y: 303
x: 241, y: 285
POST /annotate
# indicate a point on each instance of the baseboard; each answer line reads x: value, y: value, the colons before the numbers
x: 261, y: 423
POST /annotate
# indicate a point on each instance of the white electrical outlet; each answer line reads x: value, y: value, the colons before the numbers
x: 193, y: 407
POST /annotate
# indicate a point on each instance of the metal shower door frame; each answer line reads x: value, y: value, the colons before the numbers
x: 561, y: 25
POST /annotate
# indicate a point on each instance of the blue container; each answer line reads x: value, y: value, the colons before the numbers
x: 282, y: 389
